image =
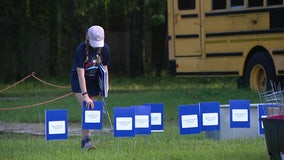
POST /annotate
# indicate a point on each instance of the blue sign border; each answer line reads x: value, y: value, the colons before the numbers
x: 192, y: 109
x: 98, y: 107
x: 56, y: 115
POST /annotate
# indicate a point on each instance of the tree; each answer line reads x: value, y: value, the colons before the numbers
x: 42, y: 38
x: 159, y: 35
x: 137, y: 38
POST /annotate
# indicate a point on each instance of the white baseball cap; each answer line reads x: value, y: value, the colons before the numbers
x: 96, y: 36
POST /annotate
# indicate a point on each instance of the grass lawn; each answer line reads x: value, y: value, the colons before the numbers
x: 125, y: 92
x: 168, y: 145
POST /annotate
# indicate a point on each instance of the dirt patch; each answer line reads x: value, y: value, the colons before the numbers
x: 74, y: 129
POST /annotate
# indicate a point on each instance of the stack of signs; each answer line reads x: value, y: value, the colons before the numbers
x: 56, y: 124
x: 92, y: 117
x: 103, y: 80
x: 194, y: 118
x: 138, y: 120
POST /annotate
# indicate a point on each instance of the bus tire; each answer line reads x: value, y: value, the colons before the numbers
x: 259, y: 72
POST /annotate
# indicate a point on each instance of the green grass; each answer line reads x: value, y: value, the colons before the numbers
x: 168, y: 145
x: 170, y: 91
x: 126, y: 92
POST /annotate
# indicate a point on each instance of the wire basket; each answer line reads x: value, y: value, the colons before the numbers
x: 274, y: 99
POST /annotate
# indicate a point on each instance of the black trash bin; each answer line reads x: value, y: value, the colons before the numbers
x: 274, y: 135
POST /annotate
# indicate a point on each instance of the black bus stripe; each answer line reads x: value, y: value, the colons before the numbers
x: 229, y: 54
x: 280, y: 30
x: 221, y: 73
x: 187, y: 36
x: 278, y: 52
x: 189, y: 15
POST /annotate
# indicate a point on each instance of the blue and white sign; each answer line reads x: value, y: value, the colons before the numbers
x: 142, y: 119
x: 210, y: 116
x: 239, y: 113
x: 189, y: 119
x: 157, y: 116
x: 56, y: 124
x: 124, y: 125
x: 92, y: 118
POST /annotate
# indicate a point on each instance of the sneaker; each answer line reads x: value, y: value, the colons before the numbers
x: 85, y: 140
x: 86, y: 143
x: 89, y: 145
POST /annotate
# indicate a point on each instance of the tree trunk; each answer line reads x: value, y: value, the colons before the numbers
x: 136, y: 48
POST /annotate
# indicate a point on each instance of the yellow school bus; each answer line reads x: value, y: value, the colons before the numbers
x: 243, y: 38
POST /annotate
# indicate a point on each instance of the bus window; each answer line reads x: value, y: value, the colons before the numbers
x: 219, y: 4
x: 237, y: 4
x: 186, y: 4
x: 274, y: 2
x: 255, y: 3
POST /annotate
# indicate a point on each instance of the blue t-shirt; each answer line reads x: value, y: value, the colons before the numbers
x: 91, y: 65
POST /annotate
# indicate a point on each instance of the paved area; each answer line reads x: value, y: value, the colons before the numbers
x: 39, y: 128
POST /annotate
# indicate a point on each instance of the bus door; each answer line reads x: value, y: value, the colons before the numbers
x: 187, y: 28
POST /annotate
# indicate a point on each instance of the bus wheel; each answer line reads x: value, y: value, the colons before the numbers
x: 259, y: 72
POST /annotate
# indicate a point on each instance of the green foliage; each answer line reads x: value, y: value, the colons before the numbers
x: 43, y: 38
